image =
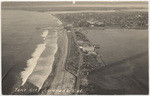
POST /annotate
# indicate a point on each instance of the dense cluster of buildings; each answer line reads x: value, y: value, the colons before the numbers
x: 85, y: 45
x: 123, y: 20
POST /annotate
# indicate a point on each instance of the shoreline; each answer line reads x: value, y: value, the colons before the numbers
x: 29, y: 87
x: 49, y: 80
x: 20, y: 49
x: 47, y: 83
x: 60, y: 81
x: 57, y: 59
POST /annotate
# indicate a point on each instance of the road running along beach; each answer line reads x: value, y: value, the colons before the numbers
x: 39, y: 65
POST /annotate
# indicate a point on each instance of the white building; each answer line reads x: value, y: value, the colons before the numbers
x: 92, y: 52
x: 87, y: 47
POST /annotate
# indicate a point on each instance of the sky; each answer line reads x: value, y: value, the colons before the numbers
x: 140, y: 4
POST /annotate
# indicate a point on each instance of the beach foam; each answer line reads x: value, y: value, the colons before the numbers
x: 42, y: 70
x: 59, y: 22
x: 40, y: 65
x: 31, y: 63
x: 44, y: 34
x: 45, y: 62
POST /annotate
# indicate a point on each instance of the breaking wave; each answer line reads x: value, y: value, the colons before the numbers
x: 31, y: 63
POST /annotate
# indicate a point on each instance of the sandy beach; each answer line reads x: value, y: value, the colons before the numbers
x: 59, y: 80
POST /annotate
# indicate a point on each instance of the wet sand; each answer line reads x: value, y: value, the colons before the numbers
x: 62, y: 80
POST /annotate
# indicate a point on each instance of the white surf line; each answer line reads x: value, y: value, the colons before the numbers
x: 38, y: 80
x: 44, y: 34
x: 31, y: 63
x: 58, y: 21
x: 44, y: 64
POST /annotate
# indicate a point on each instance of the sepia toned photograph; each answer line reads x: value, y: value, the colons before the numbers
x: 74, y: 48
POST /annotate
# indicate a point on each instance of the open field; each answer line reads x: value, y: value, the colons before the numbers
x: 125, y: 52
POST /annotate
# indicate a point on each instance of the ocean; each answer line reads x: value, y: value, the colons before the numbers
x: 29, y: 43
x: 117, y: 44
x: 125, y: 53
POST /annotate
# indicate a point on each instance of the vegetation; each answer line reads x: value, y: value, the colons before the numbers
x: 90, y: 62
x: 73, y: 56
